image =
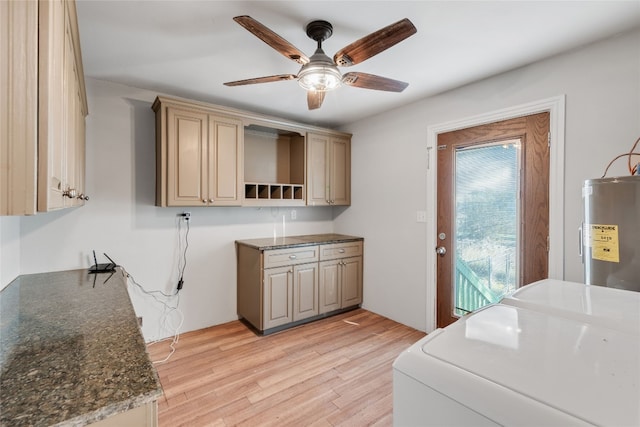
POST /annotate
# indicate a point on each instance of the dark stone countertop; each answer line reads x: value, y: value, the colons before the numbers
x: 295, y: 241
x: 71, y: 350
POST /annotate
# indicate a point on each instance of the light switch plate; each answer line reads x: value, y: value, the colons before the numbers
x: 421, y: 216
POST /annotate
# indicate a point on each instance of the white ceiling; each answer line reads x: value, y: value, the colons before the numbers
x: 190, y: 48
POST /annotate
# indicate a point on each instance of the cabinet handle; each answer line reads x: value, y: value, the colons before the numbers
x: 83, y: 197
x: 292, y: 257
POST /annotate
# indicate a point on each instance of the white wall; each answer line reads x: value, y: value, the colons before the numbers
x: 389, y: 158
x: 121, y: 220
x: 602, y: 87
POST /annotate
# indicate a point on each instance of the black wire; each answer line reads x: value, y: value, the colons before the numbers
x: 186, y: 246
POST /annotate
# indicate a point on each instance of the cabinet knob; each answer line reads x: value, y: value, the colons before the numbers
x: 341, y: 251
x: 204, y: 200
x: 292, y: 257
x: 210, y: 200
x: 70, y: 193
x: 82, y: 196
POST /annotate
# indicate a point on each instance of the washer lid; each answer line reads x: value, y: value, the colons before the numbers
x: 585, y: 370
x: 613, y: 308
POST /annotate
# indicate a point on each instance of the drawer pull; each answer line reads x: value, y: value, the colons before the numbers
x: 292, y: 257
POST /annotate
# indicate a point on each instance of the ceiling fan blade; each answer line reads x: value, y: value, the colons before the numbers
x: 374, y: 43
x: 370, y: 81
x: 314, y: 99
x: 272, y: 39
x: 266, y: 79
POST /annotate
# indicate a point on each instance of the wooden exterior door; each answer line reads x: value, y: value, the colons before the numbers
x: 469, y: 280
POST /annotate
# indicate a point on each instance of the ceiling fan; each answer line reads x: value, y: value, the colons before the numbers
x: 319, y: 73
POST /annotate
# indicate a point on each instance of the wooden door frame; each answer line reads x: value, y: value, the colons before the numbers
x: 556, y: 108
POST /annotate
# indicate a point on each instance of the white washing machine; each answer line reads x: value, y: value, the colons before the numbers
x: 524, y: 362
x: 614, y: 308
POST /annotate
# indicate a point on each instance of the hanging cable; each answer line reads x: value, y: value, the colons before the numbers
x: 631, y: 153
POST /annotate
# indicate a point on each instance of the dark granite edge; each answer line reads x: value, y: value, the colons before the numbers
x: 111, y: 410
x: 328, y: 241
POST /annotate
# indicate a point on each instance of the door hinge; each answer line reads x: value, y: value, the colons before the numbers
x: 549, y: 139
x: 548, y: 244
x: 442, y: 147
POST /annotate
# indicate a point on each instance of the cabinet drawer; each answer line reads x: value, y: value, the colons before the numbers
x: 290, y: 256
x: 340, y: 250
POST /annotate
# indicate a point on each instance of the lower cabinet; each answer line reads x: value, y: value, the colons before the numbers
x: 278, y: 288
x: 290, y: 294
x: 340, y: 283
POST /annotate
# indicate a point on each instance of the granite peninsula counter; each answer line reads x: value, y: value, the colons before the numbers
x: 72, y: 353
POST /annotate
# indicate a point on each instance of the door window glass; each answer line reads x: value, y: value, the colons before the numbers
x: 486, y: 238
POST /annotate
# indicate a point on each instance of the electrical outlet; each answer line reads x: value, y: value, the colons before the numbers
x: 294, y: 214
x: 421, y: 216
x: 185, y: 215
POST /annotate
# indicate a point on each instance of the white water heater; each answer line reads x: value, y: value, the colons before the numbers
x: 611, y: 232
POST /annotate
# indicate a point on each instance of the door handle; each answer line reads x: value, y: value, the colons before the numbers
x: 441, y: 250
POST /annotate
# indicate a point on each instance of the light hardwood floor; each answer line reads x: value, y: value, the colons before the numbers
x: 332, y: 372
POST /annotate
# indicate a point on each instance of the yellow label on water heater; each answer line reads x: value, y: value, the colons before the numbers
x: 604, y: 242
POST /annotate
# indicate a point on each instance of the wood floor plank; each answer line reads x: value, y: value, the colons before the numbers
x: 335, y: 371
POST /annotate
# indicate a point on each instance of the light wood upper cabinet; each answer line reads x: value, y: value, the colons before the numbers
x: 209, y: 155
x: 199, y: 157
x: 43, y: 107
x: 328, y: 170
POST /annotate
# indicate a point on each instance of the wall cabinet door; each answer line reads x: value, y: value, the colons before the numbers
x: 278, y: 297
x: 42, y: 109
x: 61, y: 108
x: 186, y: 157
x: 305, y: 291
x: 225, y: 161
x: 18, y: 107
x: 328, y: 170
x: 199, y: 158
x: 340, y: 172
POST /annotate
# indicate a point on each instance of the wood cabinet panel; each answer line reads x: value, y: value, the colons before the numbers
x: 42, y: 109
x: 225, y: 160
x: 278, y: 288
x: 290, y: 256
x: 340, y: 171
x: 351, y: 277
x: 328, y: 170
x: 305, y: 291
x: 340, y: 250
x: 330, y: 289
x: 62, y: 108
x: 186, y: 165
x: 199, y: 157
x: 18, y: 107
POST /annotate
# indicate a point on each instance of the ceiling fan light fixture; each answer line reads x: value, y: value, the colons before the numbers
x: 319, y: 78
x: 320, y: 73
